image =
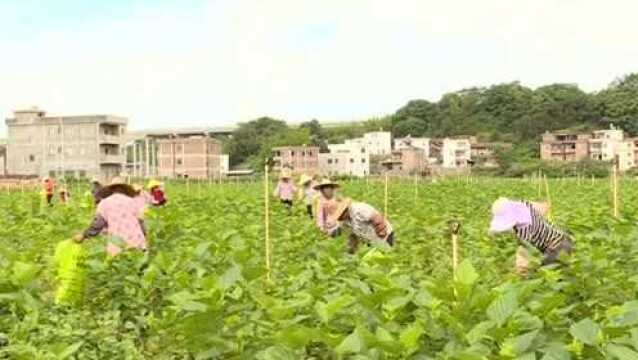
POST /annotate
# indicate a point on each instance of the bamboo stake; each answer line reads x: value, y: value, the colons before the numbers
x: 385, y: 208
x: 416, y: 188
x: 267, y: 221
x: 455, y: 227
x: 540, y: 181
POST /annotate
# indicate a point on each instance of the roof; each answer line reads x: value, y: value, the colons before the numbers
x: 163, y: 132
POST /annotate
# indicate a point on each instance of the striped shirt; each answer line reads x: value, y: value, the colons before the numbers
x: 540, y: 233
x: 360, y: 221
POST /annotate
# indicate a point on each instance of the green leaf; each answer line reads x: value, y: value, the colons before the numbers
x: 23, y: 273
x: 556, y: 351
x: 70, y: 350
x: 585, y: 331
x: 352, y: 344
x: 620, y: 352
x: 327, y: 311
x: 479, y: 332
x: 502, y: 308
x: 466, y: 274
x: 230, y: 277
x: 517, y: 346
x: 277, y: 353
x: 409, y: 337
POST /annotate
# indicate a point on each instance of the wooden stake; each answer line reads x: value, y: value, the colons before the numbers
x: 416, y: 188
x: 385, y: 207
x: 540, y: 180
x: 267, y: 220
x: 455, y: 226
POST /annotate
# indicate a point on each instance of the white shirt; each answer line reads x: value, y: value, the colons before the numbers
x: 359, y: 220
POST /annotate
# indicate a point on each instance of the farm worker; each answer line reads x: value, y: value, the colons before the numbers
x: 366, y: 223
x: 119, y: 216
x: 64, y: 195
x: 528, y: 220
x: 324, y: 205
x: 307, y: 193
x: 49, y: 189
x: 285, y: 191
x: 158, y: 198
x: 96, y: 186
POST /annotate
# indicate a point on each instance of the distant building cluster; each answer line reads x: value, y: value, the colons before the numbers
x: 602, y: 145
x: 378, y: 153
x: 101, y: 146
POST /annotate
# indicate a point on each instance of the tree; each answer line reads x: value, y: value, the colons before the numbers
x: 618, y: 103
x: 247, y: 140
x: 317, y: 134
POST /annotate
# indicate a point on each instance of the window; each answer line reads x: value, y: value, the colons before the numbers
x: 363, y: 150
x: 31, y: 158
x: 278, y: 153
x: 292, y: 153
x: 329, y: 161
x: 179, y: 161
x: 336, y: 161
x: 363, y: 161
x: 59, y: 149
x: 309, y: 153
x: 303, y: 153
x: 351, y: 161
x: 179, y: 148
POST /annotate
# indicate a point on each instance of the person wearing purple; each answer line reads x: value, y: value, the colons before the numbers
x: 529, y: 223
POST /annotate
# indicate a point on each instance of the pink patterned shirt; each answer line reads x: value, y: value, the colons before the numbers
x: 121, y: 214
x: 285, y: 190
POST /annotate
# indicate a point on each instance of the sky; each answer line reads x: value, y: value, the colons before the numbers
x: 218, y: 62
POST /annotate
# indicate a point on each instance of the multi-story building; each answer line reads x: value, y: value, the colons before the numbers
x: 3, y: 158
x: 455, y: 153
x: 350, y: 159
x: 406, y: 161
x: 484, y: 154
x: 197, y: 157
x: 408, y: 142
x: 378, y: 142
x: 85, y: 145
x: 299, y: 159
x: 565, y: 146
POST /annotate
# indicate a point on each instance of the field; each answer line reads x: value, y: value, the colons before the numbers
x: 202, y: 293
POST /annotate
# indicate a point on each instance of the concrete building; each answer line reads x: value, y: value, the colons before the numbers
x: 85, y: 145
x: 406, y: 161
x: 456, y: 153
x: 350, y: 159
x: 189, y: 157
x: 605, y: 145
x: 375, y: 143
x: 484, y: 154
x: 300, y: 159
x: 408, y: 142
x: 565, y: 146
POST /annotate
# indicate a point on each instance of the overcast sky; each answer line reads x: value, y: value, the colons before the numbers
x: 195, y: 62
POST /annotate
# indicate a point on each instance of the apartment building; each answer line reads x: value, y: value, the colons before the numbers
x: 484, y: 154
x: 351, y: 159
x: 3, y: 158
x: 565, y: 146
x: 375, y: 143
x: 196, y: 157
x: 72, y: 146
x: 406, y: 161
x: 299, y: 159
x: 455, y: 153
x: 409, y: 142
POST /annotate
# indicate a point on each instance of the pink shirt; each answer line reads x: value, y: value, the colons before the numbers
x: 285, y: 190
x: 122, y: 217
x: 323, y: 211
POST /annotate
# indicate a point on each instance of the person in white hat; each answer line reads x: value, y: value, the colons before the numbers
x: 118, y: 215
x: 325, y: 204
x: 307, y: 193
x: 367, y: 224
x: 285, y: 191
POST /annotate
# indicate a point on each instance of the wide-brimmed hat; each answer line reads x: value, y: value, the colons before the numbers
x: 153, y: 184
x: 340, y: 207
x: 95, y: 180
x: 507, y: 213
x: 304, y: 179
x: 116, y: 185
x: 326, y: 183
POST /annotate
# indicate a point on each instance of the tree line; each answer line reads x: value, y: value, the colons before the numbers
x: 509, y: 112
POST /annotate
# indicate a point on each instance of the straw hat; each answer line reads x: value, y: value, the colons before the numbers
x: 153, y: 184
x: 326, y: 183
x: 340, y: 208
x: 304, y: 179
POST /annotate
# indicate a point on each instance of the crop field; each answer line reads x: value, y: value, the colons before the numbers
x: 202, y: 293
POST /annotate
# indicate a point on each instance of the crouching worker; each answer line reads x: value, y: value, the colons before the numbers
x: 324, y: 205
x: 118, y: 215
x: 366, y: 223
x: 158, y: 198
x: 528, y: 220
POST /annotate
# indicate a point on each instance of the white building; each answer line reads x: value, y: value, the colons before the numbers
x: 409, y: 142
x: 350, y: 158
x: 224, y: 164
x: 456, y: 153
x: 606, y: 144
x: 378, y: 142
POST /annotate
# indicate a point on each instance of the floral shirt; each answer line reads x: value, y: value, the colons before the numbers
x: 285, y: 190
x: 360, y: 221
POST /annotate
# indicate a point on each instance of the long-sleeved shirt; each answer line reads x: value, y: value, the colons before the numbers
x: 324, y: 208
x: 540, y: 233
x: 285, y: 190
x: 118, y: 217
x: 362, y: 219
x: 308, y: 194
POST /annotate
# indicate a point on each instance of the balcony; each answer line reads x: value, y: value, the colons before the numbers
x: 112, y: 159
x: 109, y: 139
